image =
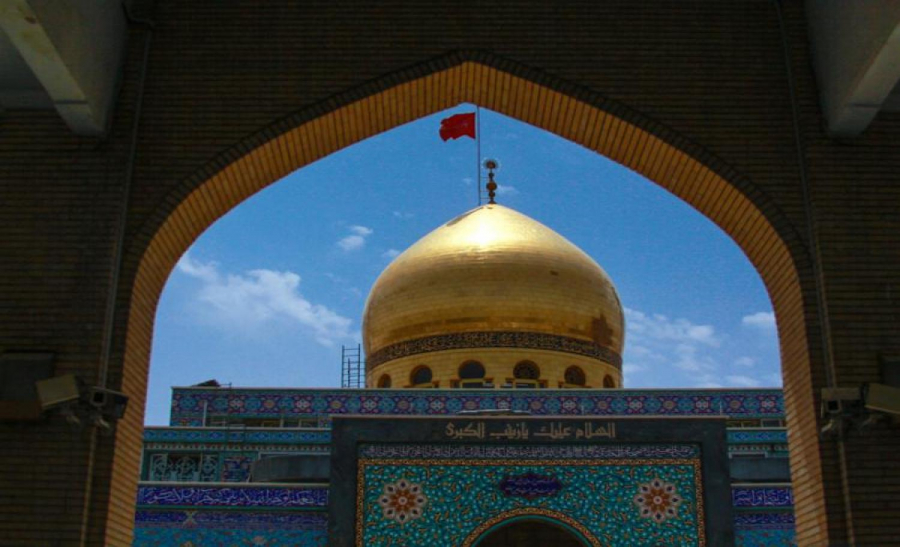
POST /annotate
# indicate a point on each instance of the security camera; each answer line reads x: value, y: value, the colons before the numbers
x: 837, y: 401
x: 77, y: 402
x: 108, y: 403
x: 881, y: 398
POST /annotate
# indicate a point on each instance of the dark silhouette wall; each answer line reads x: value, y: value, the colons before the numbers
x: 695, y: 94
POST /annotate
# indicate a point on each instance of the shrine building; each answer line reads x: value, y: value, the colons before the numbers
x: 493, y: 414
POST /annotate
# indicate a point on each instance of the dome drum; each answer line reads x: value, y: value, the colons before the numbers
x: 499, y: 370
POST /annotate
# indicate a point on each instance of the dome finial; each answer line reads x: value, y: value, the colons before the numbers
x: 491, y: 165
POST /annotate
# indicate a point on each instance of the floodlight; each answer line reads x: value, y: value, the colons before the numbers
x: 58, y: 391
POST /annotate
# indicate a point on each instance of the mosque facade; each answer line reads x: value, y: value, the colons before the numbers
x: 494, y: 414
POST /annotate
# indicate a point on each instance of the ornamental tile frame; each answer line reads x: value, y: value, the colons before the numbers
x: 456, y: 486
x: 191, y: 404
x: 587, y: 470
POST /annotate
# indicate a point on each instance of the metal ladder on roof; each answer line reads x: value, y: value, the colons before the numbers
x: 352, y: 374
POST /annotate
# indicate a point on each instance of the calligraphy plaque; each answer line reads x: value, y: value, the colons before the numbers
x: 529, y: 486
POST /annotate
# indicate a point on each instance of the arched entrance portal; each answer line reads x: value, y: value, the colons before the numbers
x: 577, y: 114
x: 530, y: 533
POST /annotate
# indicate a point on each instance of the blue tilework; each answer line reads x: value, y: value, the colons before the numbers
x: 236, y: 467
x: 750, y: 521
x: 770, y: 436
x: 204, y: 537
x: 231, y: 496
x: 765, y: 538
x: 211, y: 435
x: 189, y: 528
x: 231, y: 519
x: 762, y: 496
x: 764, y: 529
x: 188, y: 403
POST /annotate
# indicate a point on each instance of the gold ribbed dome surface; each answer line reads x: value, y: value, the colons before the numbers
x: 492, y: 270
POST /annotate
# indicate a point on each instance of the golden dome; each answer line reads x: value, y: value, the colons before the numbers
x: 493, y: 278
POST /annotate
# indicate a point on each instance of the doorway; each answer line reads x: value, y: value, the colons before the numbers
x: 531, y: 533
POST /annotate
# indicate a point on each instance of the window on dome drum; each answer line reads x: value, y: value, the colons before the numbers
x: 526, y: 374
x: 471, y: 375
x: 420, y: 376
x: 608, y: 381
x: 471, y: 370
x: 526, y: 370
x: 384, y: 381
x: 575, y: 376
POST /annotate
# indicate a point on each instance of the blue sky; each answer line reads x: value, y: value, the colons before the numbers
x: 267, y: 295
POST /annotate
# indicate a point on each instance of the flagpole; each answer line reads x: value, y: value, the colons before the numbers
x: 478, y: 145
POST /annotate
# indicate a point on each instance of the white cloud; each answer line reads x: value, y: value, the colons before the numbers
x: 742, y: 381
x: 468, y: 181
x: 761, y: 320
x: 658, y: 327
x: 507, y: 190
x: 681, y: 350
x: 692, y: 358
x: 390, y: 253
x: 260, y: 297
x: 401, y: 214
x: 352, y: 243
x: 356, y: 240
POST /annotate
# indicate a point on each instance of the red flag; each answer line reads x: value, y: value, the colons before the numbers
x: 458, y: 125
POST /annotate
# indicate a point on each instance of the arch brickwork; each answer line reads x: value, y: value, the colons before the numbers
x: 694, y: 95
x: 588, y: 119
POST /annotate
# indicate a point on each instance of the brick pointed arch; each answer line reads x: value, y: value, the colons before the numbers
x: 578, y: 114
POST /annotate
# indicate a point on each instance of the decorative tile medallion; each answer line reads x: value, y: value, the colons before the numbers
x: 402, y: 501
x: 657, y: 500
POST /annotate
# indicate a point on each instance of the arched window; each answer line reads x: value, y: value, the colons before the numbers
x: 420, y: 375
x: 608, y: 381
x: 526, y: 370
x: 575, y: 376
x: 384, y: 381
x: 471, y: 370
